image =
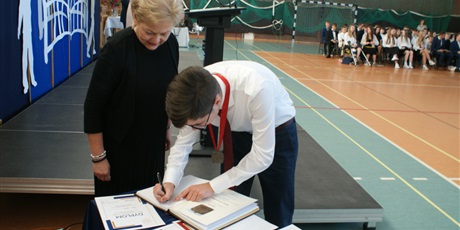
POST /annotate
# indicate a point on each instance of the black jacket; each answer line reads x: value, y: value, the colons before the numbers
x: 110, y: 101
x: 330, y: 36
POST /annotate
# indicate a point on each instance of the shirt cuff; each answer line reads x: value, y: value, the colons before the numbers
x: 172, y: 177
x: 220, y: 183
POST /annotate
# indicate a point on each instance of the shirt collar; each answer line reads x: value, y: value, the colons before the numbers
x: 224, y: 91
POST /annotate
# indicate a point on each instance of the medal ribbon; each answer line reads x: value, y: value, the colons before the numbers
x: 223, y: 121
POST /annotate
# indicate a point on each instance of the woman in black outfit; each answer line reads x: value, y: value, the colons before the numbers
x: 369, y: 42
x: 125, y: 118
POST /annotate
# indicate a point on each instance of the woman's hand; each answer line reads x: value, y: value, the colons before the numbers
x: 101, y: 170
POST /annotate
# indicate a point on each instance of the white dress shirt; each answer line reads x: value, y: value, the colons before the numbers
x: 388, y: 45
x: 341, y: 38
x: 404, y: 43
x: 350, y: 40
x: 374, y: 39
x: 417, y: 46
x: 258, y: 103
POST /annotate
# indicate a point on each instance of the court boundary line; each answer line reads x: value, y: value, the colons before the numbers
x: 381, y: 110
x: 384, y: 83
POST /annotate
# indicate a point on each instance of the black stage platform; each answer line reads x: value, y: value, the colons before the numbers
x: 44, y: 150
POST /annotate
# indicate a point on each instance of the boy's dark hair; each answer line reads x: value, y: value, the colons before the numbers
x: 190, y: 95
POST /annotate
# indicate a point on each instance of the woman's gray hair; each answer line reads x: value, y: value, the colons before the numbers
x: 157, y: 11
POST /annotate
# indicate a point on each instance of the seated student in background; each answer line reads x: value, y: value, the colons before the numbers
x: 449, y: 39
x: 414, y: 33
x: 369, y: 42
x: 323, y: 37
x: 455, y: 49
x: 352, y: 43
x: 341, y: 38
x: 360, y: 31
x: 390, y: 45
x: 419, y: 44
x: 398, y: 33
x: 425, y: 33
x: 405, y: 48
x: 262, y: 124
x: 383, y: 32
x: 331, y: 39
x: 429, y: 43
x: 378, y: 34
x: 440, y: 51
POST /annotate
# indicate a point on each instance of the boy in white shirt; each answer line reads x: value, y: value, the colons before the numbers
x: 261, y: 116
x: 341, y: 38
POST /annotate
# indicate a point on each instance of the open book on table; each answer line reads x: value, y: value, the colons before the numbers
x: 215, y: 212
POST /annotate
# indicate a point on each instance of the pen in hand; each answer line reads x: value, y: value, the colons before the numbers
x: 161, y: 182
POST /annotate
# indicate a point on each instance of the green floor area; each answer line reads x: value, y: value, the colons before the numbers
x: 385, y: 171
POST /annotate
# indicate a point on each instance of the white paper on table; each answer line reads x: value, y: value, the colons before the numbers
x: 290, y: 227
x: 253, y: 222
x: 127, y: 211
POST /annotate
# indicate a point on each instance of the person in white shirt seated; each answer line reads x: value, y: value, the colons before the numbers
x: 351, y: 43
x: 390, y: 45
x: 413, y: 37
x: 261, y: 117
x: 369, y: 42
x: 379, y: 33
x: 341, y: 38
x: 405, y: 48
x: 419, y: 46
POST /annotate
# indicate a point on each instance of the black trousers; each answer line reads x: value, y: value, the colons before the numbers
x: 277, y: 181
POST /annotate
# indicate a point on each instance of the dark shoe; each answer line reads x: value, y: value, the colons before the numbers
x: 328, y: 56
